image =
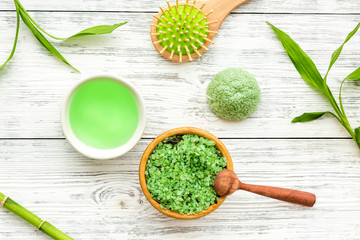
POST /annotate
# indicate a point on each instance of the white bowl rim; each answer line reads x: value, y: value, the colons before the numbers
x: 96, y: 153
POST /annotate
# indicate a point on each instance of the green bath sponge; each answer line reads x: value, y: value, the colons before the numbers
x: 233, y: 94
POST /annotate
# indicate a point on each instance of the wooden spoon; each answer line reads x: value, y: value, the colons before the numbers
x: 226, y: 182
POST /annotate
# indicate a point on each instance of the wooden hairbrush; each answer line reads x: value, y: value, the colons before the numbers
x: 183, y: 31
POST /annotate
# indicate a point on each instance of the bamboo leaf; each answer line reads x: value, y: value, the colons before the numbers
x: 307, y: 117
x: 355, y: 75
x: 302, y: 62
x: 42, y: 39
x: 16, y: 38
x: 357, y: 136
x: 337, y: 52
x: 35, y: 29
x: 311, y: 75
x: 97, y: 30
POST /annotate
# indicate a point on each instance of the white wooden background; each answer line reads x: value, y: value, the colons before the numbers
x: 93, y: 199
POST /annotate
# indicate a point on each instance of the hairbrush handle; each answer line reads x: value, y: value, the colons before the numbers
x: 288, y: 195
x: 221, y: 9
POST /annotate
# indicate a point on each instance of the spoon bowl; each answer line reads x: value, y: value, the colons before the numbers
x: 181, y: 131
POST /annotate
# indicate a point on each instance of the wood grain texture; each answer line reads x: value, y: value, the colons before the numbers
x: 254, y: 6
x: 102, y: 199
x: 34, y: 83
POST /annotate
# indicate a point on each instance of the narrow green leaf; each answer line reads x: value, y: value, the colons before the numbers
x: 42, y: 39
x: 355, y: 75
x: 16, y: 38
x: 305, y: 66
x: 337, y: 52
x: 302, y: 62
x: 97, y: 30
x: 357, y: 136
x: 307, y: 117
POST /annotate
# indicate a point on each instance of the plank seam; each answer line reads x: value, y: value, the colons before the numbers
x: 224, y: 138
x: 154, y: 12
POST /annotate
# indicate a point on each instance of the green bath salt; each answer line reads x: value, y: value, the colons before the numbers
x: 180, y: 173
x: 103, y: 114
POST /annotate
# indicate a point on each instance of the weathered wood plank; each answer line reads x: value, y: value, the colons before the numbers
x: 34, y: 83
x: 253, y: 6
x: 101, y: 199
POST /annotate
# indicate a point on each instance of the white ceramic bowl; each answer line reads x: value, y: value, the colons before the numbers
x: 96, y: 153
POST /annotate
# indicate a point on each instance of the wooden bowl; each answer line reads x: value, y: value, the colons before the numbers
x: 149, y: 150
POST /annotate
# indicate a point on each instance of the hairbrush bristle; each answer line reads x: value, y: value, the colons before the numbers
x: 182, y: 29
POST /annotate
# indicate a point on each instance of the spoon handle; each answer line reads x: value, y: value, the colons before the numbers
x: 288, y: 195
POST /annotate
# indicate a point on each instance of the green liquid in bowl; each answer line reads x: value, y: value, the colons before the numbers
x: 103, y: 114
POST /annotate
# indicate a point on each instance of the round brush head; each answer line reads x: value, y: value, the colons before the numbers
x: 180, y: 31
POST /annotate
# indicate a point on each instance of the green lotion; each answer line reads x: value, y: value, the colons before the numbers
x: 103, y: 114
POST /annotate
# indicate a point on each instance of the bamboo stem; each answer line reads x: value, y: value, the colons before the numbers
x: 34, y: 220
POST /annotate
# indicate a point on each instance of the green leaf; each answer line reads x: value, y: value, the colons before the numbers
x: 357, y: 136
x: 302, y: 62
x: 97, y: 30
x: 305, y: 66
x: 42, y: 39
x: 16, y: 38
x: 101, y: 29
x: 355, y: 75
x: 337, y: 52
x: 307, y: 117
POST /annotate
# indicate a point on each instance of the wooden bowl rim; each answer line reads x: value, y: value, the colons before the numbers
x: 149, y: 150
